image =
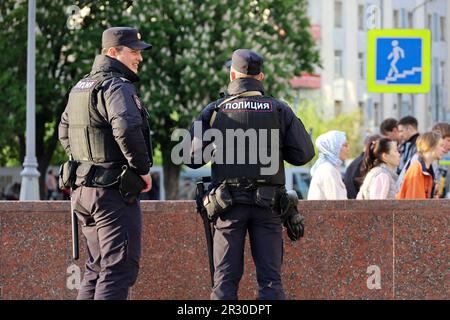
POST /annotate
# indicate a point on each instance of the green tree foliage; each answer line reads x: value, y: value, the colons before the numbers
x: 192, y: 41
x: 317, y: 123
x: 63, y: 55
x: 182, y: 73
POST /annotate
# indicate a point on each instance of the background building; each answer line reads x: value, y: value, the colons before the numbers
x: 340, y: 29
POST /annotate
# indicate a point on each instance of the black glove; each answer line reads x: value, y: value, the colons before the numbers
x: 130, y: 185
x: 294, y: 226
x: 292, y: 219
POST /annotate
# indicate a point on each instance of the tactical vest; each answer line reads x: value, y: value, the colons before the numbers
x: 90, y: 135
x: 247, y: 125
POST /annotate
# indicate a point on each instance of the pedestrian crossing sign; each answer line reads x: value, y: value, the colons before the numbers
x: 399, y: 61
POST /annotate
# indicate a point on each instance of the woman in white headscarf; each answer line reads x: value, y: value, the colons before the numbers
x: 326, y: 183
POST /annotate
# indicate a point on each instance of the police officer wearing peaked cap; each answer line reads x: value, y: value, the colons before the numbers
x: 247, y: 185
x: 104, y: 128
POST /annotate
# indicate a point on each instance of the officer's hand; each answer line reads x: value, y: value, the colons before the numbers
x: 148, y: 180
x: 297, y: 221
x: 295, y: 226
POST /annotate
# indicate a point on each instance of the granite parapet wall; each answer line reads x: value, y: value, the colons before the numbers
x: 351, y: 250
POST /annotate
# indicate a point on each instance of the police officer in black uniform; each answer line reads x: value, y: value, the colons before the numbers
x: 104, y: 128
x: 254, y: 195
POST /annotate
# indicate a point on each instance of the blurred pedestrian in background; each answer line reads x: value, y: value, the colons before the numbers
x: 353, y: 177
x: 326, y: 182
x: 389, y: 129
x: 441, y: 168
x: 408, y: 133
x: 407, y: 129
x: 381, y: 160
x: 12, y: 191
x: 419, y: 178
x: 51, y: 185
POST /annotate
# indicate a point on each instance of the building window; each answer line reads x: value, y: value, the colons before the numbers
x: 361, y: 17
x: 430, y: 22
x: 338, y: 14
x: 436, y: 28
x: 443, y: 28
x: 405, y: 108
x: 396, y: 19
x: 410, y: 20
x: 337, y: 108
x: 338, y: 64
x: 361, y: 113
x: 442, y: 73
x: 361, y: 65
x: 376, y: 111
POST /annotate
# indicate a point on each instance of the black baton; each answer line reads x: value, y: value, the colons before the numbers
x: 200, y: 192
x: 74, y: 221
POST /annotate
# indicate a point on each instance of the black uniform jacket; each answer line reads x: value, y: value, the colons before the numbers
x: 296, y: 143
x: 121, y: 108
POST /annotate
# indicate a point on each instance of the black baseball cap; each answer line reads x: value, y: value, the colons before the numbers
x: 123, y: 36
x: 247, y: 62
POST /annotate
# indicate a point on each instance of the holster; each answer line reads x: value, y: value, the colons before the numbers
x: 218, y: 201
x: 266, y: 196
x: 130, y: 184
x: 67, y: 174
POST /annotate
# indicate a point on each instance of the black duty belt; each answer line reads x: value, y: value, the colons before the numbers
x: 247, y: 182
x: 97, y: 176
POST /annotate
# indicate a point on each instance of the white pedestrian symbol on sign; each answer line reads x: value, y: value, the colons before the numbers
x: 396, y: 54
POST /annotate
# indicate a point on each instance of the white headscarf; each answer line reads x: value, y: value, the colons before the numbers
x: 329, y: 146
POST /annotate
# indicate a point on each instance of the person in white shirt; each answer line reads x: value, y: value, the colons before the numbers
x: 326, y: 183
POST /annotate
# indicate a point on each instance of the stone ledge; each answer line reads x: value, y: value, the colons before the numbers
x: 352, y: 250
x: 188, y: 206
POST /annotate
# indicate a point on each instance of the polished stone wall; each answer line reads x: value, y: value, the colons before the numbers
x: 352, y: 250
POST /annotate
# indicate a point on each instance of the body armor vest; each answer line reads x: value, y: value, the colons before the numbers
x: 90, y: 135
x: 252, y: 150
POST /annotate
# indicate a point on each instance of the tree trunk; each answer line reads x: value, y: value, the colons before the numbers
x: 22, y: 147
x: 43, y: 163
x: 44, y: 155
x: 171, y: 174
x: 42, y: 187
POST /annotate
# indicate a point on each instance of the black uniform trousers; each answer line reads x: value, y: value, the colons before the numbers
x: 113, y: 232
x: 266, y: 242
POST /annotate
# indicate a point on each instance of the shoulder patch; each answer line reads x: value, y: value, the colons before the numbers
x: 84, y: 84
x: 137, y: 101
x: 248, y: 105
